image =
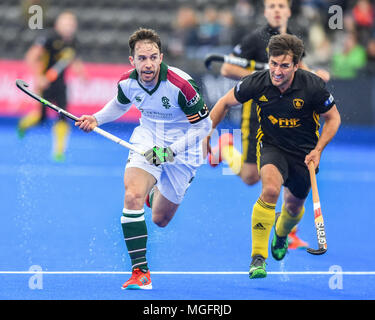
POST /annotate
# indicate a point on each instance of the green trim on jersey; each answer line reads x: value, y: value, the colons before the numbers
x: 188, y: 109
x: 121, y: 96
x: 162, y: 77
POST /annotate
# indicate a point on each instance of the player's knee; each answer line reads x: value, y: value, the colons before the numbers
x: 160, y: 221
x: 134, y: 199
x: 250, y: 178
x: 270, y: 193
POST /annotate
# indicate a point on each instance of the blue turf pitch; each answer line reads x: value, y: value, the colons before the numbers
x: 65, y: 218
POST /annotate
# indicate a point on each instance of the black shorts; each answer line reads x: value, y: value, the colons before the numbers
x: 57, y: 94
x: 293, y: 169
x: 249, y: 129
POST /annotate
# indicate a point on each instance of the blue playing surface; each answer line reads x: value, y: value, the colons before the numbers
x: 65, y: 218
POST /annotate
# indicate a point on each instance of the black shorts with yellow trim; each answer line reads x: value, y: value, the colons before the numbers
x: 249, y: 129
x: 57, y: 94
x: 292, y: 168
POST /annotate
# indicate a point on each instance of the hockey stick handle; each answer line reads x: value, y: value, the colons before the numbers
x: 318, y: 217
x: 314, y: 184
x: 238, y: 61
x: 24, y: 87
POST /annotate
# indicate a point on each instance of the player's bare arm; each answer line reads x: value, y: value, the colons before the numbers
x: 234, y: 72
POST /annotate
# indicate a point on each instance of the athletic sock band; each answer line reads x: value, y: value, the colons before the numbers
x: 135, y: 234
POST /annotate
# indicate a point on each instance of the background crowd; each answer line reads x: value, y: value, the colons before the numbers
x: 191, y: 29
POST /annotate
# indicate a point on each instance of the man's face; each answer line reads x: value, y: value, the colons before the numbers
x: 277, y: 13
x: 282, y: 71
x: 146, y: 60
x: 66, y: 25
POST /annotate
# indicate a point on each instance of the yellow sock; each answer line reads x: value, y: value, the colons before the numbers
x: 30, y: 120
x: 60, y: 131
x: 233, y: 157
x: 262, y: 221
x: 286, y: 222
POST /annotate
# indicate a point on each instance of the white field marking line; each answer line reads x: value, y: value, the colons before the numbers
x: 353, y: 273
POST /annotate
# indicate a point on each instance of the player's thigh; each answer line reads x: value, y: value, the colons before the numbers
x: 138, y: 184
x: 249, y: 173
x: 273, y: 171
x: 163, y: 210
x: 298, y: 181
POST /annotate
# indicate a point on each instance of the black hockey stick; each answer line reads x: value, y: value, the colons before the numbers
x: 241, y: 62
x: 24, y: 87
x: 318, y: 217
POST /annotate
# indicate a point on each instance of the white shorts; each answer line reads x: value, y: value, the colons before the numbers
x: 173, y: 179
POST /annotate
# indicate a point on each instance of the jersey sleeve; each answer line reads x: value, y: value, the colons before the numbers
x: 121, y: 97
x: 323, y: 98
x: 191, y: 102
x: 246, y: 48
x: 245, y: 88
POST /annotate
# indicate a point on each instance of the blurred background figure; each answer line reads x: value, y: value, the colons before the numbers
x: 351, y: 60
x: 185, y: 32
x: 363, y: 14
x: 48, y: 59
x: 210, y: 27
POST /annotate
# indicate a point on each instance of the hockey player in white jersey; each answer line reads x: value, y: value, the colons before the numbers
x: 174, y: 121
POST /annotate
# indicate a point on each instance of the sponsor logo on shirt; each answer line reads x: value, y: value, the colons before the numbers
x: 263, y: 98
x: 284, y: 122
x: 193, y: 101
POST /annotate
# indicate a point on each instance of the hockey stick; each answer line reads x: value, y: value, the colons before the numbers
x: 53, y: 72
x: 241, y: 62
x: 24, y: 87
x: 318, y: 217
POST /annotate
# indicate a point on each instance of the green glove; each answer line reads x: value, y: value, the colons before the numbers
x: 158, y: 155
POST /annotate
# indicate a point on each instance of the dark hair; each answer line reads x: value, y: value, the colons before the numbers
x: 143, y: 34
x: 290, y: 3
x: 283, y: 44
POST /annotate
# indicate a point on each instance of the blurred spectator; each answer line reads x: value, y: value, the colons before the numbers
x: 243, y: 12
x: 320, y: 49
x: 371, y: 56
x: 228, y: 28
x: 210, y: 28
x: 363, y: 14
x: 351, y: 60
x: 185, y: 32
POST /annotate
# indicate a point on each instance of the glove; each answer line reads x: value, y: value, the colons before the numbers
x: 158, y: 155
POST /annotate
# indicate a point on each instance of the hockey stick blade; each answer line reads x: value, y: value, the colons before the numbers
x: 24, y: 87
x: 316, y: 251
x: 212, y: 58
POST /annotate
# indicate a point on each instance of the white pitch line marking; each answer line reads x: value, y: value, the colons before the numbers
x: 353, y: 273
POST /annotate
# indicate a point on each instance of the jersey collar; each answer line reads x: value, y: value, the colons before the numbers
x: 162, y: 77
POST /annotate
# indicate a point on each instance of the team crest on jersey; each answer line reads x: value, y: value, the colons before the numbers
x: 298, y: 103
x: 165, y: 102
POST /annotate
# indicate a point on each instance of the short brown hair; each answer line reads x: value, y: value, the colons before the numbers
x: 143, y: 34
x: 284, y: 44
x: 290, y: 3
